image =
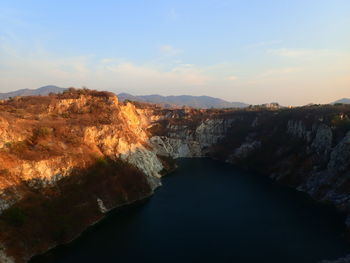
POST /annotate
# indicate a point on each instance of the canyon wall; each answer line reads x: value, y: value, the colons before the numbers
x: 307, y: 148
x: 68, y: 159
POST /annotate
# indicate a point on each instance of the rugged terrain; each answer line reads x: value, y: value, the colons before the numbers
x: 66, y: 159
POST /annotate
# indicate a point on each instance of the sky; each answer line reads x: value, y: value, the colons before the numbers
x: 293, y: 52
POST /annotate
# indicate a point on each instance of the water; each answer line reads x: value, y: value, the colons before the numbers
x: 207, y: 211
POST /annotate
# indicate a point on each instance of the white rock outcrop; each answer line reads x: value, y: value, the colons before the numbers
x: 4, y: 258
x: 322, y: 142
x: 147, y: 161
x: 340, y: 156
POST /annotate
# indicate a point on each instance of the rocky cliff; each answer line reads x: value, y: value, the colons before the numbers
x: 69, y: 158
x: 65, y: 161
x: 307, y: 148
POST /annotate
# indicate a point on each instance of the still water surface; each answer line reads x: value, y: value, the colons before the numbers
x: 208, y: 211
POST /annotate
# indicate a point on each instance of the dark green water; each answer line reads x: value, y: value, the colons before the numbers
x: 207, y: 211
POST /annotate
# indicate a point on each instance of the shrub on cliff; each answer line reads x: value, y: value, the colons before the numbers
x: 101, y: 162
x: 16, y: 147
x: 42, y: 132
x: 341, y: 121
x: 74, y: 93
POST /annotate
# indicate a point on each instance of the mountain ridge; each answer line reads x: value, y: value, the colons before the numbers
x: 342, y: 100
x: 171, y: 101
x: 45, y: 90
x: 203, y: 101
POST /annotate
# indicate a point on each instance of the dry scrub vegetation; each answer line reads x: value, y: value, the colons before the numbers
x: 51, y: 125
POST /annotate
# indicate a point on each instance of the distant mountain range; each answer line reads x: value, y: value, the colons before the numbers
x: 204, y: 102
x: 343, y: 101
x: 31, y: 92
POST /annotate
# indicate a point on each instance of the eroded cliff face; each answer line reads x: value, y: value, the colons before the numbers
x: 307, y: 148
x: 65, y: 161
x: 83, y: 153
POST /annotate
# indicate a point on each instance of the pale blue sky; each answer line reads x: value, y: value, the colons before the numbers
x: 294, y: 52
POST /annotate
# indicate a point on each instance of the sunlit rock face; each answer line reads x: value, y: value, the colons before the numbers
x: 69, y: 128
x: 51, y: 145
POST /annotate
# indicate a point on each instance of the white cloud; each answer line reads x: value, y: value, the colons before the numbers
x: 141, y: 76
x: 31, y: 70
x: 170, y: 50
x: 301, y: 53
x: 281, y: 71
x: 232, y: 78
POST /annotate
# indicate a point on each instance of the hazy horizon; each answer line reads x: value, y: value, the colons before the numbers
x: 290, y: 52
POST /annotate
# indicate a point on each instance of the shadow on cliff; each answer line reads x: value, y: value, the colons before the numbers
x: 57, y: 214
